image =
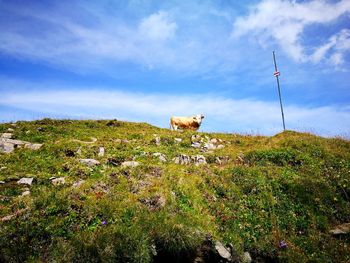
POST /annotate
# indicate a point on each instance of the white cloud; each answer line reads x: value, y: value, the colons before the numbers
x: 337, y: 45
x: 157, y: 27
x: 284, y: 22
x: 222, y: 114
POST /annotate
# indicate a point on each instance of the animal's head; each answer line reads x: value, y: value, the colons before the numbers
x: 198, y: 118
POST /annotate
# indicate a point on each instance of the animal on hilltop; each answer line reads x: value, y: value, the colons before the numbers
x: 191, y: 123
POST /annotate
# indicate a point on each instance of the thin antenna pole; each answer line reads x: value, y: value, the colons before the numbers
x: 276, y: 74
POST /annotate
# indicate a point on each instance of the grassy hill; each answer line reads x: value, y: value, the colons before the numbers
x: 274, y: 197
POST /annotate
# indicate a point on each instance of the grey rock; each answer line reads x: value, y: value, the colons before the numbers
x: 196, y: 144
x: 222, y: 251
x: 24, y: 180
x: 220, y: 146
x: 33, y: 146
x: 341, y: 229
x: 177, y: 140
x: 25, y: 193
x: 157, y: 140
x: 214, y: 141
x: 90, y: 162
x: 182, y: 159
x: 6, y: 135
x: 198, y: 159
x: 6, y: 147
x: 246, y: 258
x: 10, y: 130
x: 2, y: 182
x: 58, y: 181
x: 195, y: 138
x: 101, y: 151
x: 130, y: 164
x: 208, y: 146
x: 161, y: 156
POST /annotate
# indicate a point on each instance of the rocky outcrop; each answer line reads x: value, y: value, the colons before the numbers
x: 8, y: 145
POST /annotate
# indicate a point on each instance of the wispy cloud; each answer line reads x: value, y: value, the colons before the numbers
x: 222, y: 114
x: 284, y: 22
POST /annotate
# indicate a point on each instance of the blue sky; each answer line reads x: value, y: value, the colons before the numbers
x: 144, y: 61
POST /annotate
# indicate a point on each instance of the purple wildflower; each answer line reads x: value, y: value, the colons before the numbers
x: 104, y: 222
x: 283, y: 244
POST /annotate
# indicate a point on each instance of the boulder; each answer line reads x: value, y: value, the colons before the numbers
x: 10, y: 130
x: 198, y: 159
x: 208, y: 146
x: 222, y: 251
x: 246, y: 258
x: 6, y: 135
x: 6, y: 147
x: 130, y: 164
x: 196, y: 144
x: 24, y: 180
x: 89, y: 162
x: 182, y: 159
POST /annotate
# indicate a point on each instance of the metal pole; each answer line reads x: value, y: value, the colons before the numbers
x: 279, y: 89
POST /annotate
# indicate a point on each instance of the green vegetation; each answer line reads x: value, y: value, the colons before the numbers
x: 292, y: 187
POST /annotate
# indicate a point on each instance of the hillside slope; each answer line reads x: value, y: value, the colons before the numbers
x: 153, y: 195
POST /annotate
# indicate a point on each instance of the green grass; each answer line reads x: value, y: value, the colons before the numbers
x: 293, y: 187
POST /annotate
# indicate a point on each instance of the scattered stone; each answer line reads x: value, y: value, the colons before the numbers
x: 117, y: 140
x: 130, y: 164
x: 10, y: 130
x: 101, y: 151
x: 78, y: 183
x: 222, y: 251
x: 6, y: 147
x: 156, y: 140
x: 90, y: 162
x: 246, y: 258
x: 6, y: 135
x: 222, y: 160
x: 161, y: 156
x: 2, y: 182
x: 195, y: 138
x: 198, y: 159
x: 341, y: 229
x: 28, y: 180
x: 18, y: 213
x: 178, y: 140
x: 27, y: 132
x: 13, y: 124
x: 40, y: 129
x: 33, y: 146
x: 196, y: 144
x: 25, y: 193
x: 214, y: 141
x: 208, y: 146
x: 153, y: 203
x: 240, y: 158
x: 58, y: 181
x: 125, y: 141
x: 182, y: 159
x: 220, y: 146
